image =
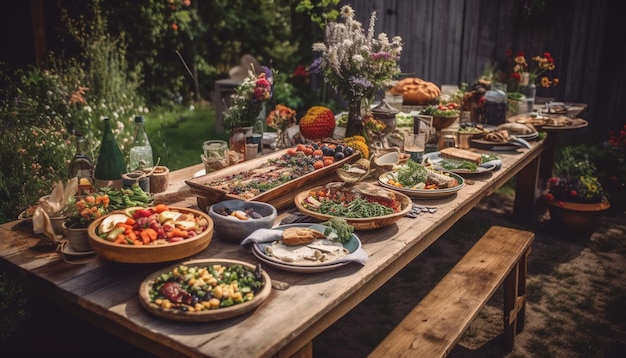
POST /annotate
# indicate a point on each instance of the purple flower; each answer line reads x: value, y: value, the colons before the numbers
x: 316, y: 66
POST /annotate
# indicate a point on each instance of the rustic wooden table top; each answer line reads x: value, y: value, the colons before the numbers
x: 106, y: 293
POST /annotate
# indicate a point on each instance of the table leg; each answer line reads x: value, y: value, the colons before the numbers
x: 527, y: 190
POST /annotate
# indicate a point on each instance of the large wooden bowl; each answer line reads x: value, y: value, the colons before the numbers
x: 443, y: 122
x: 203, y: 316
x: 359, y: 223
x: 151, y: 253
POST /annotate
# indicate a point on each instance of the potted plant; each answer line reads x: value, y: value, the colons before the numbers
x: 575, y: 197
x: 80, y: 213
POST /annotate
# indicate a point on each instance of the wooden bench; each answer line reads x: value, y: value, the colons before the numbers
x: 435, y: 325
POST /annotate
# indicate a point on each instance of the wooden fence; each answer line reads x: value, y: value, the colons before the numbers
x: 450, y: 41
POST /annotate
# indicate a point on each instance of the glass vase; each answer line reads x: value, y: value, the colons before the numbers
x: 282, y: 139
x: 237, y: 142
x: 355, y: 118
x: 530, y: 92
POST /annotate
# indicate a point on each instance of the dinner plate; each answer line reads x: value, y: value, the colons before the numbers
x: 258, y: 250
x: 437, y: 161
x: 423, y: 193
x: 204, y: 315
x: 370, y: 223
x: 495, y: 146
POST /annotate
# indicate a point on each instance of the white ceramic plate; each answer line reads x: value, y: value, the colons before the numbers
x: 437, y: 161
x: 422, y: 193
x: 258, y: 249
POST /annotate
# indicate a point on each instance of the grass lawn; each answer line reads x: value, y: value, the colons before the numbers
x: 177, y: 135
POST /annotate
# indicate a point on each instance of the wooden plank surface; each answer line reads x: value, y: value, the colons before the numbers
x: 105, y: 293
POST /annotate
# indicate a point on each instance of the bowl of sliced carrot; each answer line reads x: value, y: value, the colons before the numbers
x: 148, y: 235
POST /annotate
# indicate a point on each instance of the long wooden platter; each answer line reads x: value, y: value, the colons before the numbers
x: 281, y: 196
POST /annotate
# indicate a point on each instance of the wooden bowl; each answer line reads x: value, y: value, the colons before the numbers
x: 203, y: 316
x: 443, y: 122
x: 359, y: 223
x: 151, y: 253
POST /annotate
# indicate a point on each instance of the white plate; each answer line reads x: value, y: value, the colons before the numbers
x: 423, y: 193
x: 437, y: 161
x: 530, y: 136
x: 293, y: 268
x: 258, y: 249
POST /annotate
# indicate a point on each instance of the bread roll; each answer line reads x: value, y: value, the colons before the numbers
x: 300, y: 236
x: 416, y: 91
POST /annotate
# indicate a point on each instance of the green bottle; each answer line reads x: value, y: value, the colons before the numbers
x: 110, y: 166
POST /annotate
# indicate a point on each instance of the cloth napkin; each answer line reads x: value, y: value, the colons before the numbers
x: 268, y: 235
x: 53, y: 206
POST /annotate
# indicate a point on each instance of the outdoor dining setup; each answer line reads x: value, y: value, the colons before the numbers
x: 277, y: 234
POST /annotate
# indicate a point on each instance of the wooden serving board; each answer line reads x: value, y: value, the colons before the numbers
x: 280, y: 197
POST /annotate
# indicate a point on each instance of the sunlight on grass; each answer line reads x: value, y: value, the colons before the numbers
x: 177, y: 135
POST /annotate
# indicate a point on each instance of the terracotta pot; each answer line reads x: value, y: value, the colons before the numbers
x: 576, y: 219
x: 78, y: 238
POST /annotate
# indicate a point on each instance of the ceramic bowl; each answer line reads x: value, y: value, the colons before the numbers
x: 230, y: 228
x: 386, y: 162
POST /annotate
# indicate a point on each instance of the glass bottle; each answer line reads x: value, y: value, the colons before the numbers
x: 141, y: 150
x: 110, y: 166
x: 81, y: 167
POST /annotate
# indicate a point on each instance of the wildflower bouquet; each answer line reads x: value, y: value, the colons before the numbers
x: 85, y: 210
x: 281, y: 117
x: 354, y: 62
x: 521, y: 73
x: 248, y: 100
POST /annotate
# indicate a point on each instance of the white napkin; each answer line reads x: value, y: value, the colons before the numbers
x: 269, y: 235
x: 53, y: 206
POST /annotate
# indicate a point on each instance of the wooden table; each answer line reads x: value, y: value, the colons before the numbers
x: 105, y: 293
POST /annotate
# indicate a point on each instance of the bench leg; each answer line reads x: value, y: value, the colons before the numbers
x: 515, y: 301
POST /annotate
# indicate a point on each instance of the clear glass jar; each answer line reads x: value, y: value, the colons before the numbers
x: 215, y: 155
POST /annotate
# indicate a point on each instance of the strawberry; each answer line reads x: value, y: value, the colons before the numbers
x: 317, y: 123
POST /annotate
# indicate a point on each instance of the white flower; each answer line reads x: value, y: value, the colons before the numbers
x: 356, y: 63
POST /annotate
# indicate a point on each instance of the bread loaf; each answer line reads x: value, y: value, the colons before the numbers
x: 300, y: 236
x: 461, y: 154
x: 416, y: 91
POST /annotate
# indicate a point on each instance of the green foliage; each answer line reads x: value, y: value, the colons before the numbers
x: 320, y: 12
x: 43, y: 105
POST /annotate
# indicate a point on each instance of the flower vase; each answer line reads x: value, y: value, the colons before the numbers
x: 529, y: 91
x: 282, y: 139
x: 237, y: 142
x: 355, y: 119
x: 78, y: 238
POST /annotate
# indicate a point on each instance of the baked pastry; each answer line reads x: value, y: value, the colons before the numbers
x: 294, y: 236
x: 416, y: 91
x: 498, y: 136
x: 461, y: 154
x: 517, y: 128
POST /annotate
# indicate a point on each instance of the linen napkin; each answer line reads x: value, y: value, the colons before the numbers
x: 53, y: 206
x: 268, y: 235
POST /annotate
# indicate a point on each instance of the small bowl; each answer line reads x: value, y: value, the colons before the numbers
x: 235, y: 230
x: 386, y: 162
